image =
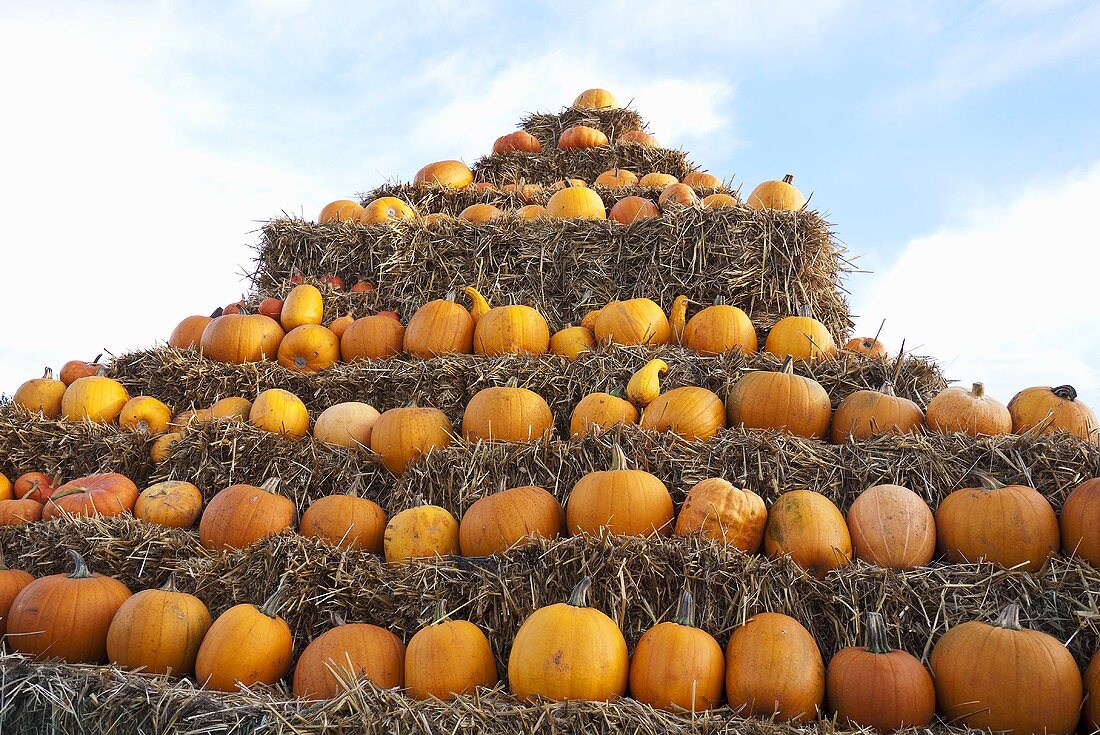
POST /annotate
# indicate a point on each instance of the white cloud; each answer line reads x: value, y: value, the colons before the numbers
x: 1008, y: 297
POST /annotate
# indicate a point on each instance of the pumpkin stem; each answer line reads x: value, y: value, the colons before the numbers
x: 270, y: 485
x: 788, y: 179
x: 788, y: 365
x: 3, y: 563
x: 270, y: 608
x: 48, y: 373
x: 579, y: 596
x: 989, y: 482
x: 80, y: 567
x: 513, y: 382
x: 888, y: 389
x: 97, y: 357
x: 1009, y: 618
x: 217, y: 312
x: 619, y: 461
x: 451, y: 295
x: 977, y: 390
x: 441, y: 614
x: 170, y: 585
x: 875, y: 638
x: 685, y: 612
x: 1065, y: 392
x: 338, y: 619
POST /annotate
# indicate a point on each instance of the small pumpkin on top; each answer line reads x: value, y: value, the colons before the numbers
x: 451, y: 174
x: 868, y: 346
x: 781, y: 195
x: 595, y: 99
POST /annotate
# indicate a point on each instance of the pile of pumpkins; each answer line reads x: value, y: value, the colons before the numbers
x: 772, y: 666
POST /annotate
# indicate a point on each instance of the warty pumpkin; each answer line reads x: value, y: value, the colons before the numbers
x: 874, y: 686
x: 507, y: 413
x: 957, y: 410
x: 172, y: 503
x: 576, y: 202
x: 65, y: 616
x: 1010, y: 525
x: 595, y: 99
x: 246, y: 645
x: 303, y: 305
x: 448, y: 658
x: 780, y: 400
x: 421, y: 532
x: 868, y: 346
x: 74, y: 370
x: 280, y: 412
x: 680, y: 194
x: 581, y: 136
x: 495, y: 523
x: 719, y: 201
x: 616, y: 178
x: 12, y: 582
x: 440, y: 327
x: 780, y: 195
x: 600, y: 410
x: 1080, y: 521
x: 107, y: 494
x: 386, y: 209
x: 802, y: 337
x: 645, y: 385
x: 1046, y: 410
x: 720, y: 511
x: 572, y: 341
x: 346, y: 653
x: 346, y: 521
x: 41, y: 395
x: 372, y: 337
x: 1026, y: 681
x: 867, y: 413
x: 243, y: 514
x: 188, y: 332
x: 677, y: 665
x: 569, y: 651
x: 893, y: 527
x: 240, y: 338
x: 809, y: 527
x: 624, y: 501
x: 702, y: 180
x: 657, y: 181
x: 694, y: 413
x: 518, y: 142
x: 511, y: 330
x: 158, y: 631
x: 145, y: 414
x: 633, y: 322
x: 639, y: 137
x: 95, y: 399
x: 341, y: 210
x: 309, y: 348
x: 719, y: 329
x: 453, y: 174
x: 347, y: 425
x: 774, y: 668
x: 402, y: 435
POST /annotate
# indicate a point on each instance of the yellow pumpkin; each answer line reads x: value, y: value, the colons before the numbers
x: 616, y: 178
x: 309, y: 348
x: 453, y: 174
x: 511, y: 330
x: 281, y: 412
x: 576, y: 202
x: 658, y: 181
x: 694, y: 413
x: 633, y: 322
x: 645, y: 385
x: 801, y: 337
x: 41, y: 394
x: 386, y: 209
x: 422, y: 532
x: 303, y: 305
x: 572, y: 341
x: 595, y: 99
x: 777, y: 195
x: 95, y: 399
x: 145, y: 414
x: 341, y: 210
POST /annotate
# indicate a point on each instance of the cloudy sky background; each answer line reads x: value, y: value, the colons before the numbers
x: 956, y: 146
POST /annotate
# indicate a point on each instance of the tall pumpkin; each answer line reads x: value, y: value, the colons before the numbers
x: 867, y: 413
x: 893, y: 527
x: 1046, y: 410
x: 303, y: 305
x: 1080, y: 521
x: 774, y: 668
x: 1006, y: 678
x: 421, y: 532
x: 802, y: 337
x: 243, y: 514
x: 440, y: 327
x: 246, y: 645
x: 239, y: 338
x: 95, y: 398
x: 280, y: 412
x: 448, y: 658
x: 345, y: 653
x: 600, y: 410
x: 809, y: 527
x: 972, y: 412
x: 497, y: 522
x: 41, y: 394
x: 781, y: 195
x: 347, y: 521
x: 372, y: 337
x: 718, y: 329
x: 403, y: 435
x: 645, y: 385
x: 875, y: 686
x: 633, y: 322
x: 764, y: 399
x: 1010, y: 525
x: 569, y: 651
x: 677, y: 665
x: 507, y: 413
x: 694, y: 413
x: 159, y: 631
x: 12, y: 582
x: 624, y: 501
x: 722, y: 512
x: 66, y: 616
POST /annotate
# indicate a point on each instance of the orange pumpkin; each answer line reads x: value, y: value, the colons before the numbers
x: 639, y: 137
x: 145, y: 414
x: 245, y: 646
x: 868, y: 346
x: 511, y: 330
x: 161, y: 447
x: 601, y: 410
x: 1091, y: 717
x: 719, y: 201
x: 718, y: 329
x: 780, y: 400
x: 702, y: 180
x: 172, y: 503
x: 346, y: 521
x: 780, y: 195
x: 347, y: 425
x: 280, y: 412
x: 696, y: 414
x: 517, y: 142
x: 718, y: 510
x: 632, y: 209
x: 36, y: 486
x: 233, y: 408
x: 495, y: 523
x: 109, y: 494
x: 448, y: 658
x: 969, y: 412
x: 158, y: 631
x: 41, y: 395
x: 893, y: 527
x: 802, y: 337
x: 576, y: 202
x: 480, y: 213
x: 243, y: 514
x: 581, y: 136
x: 572, y: 341
x: 680, y: 194
x: 774, y: 669
x: 341, y: 210
x: 386, y: 209
x: 867, y: 413
x: 440, y: 327
x: 346, y: 653
x: 633, y: 322
x: 270, y: 307
x: 188, y: 332
x: 421, y: 532
x: 454, y: 174
x: 12, y: 582
x: 809, y: 527
x: 658, y: 181
x: 595, y: 99
x: 74, y: 370
x: 239, y: 338
x: 1046, y: 410
x: 624, y: 501
x: 403, y: 435
x: 372, y: 337
x: 1080, y: 519
x: 506, y: 413
x: 532, y: 211
x: 17, y: 512
x: 616, y: 178
x: 95, y: 399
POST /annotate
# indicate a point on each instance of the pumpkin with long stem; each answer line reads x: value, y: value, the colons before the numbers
x: 510, y: 330
x: 41, y: 395
x: 622, y: 500
x: 246, y: 645
x: 74, y: 370
x: 448, y: 658
x: 779, y: 195
x: 774, y: 669
x: 1045, y: 410
x: 158, y: 631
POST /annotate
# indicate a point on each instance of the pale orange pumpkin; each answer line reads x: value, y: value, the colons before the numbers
x: 601, y: 410
x: 702, y: 180
x: 454, y: 174
x: 480, y: 213
x: 518, y: 142
x: 632, y: 209
x: 694, y: 413
x: 809, y: 527
x: 341, y: 210
x: 581, y: 136
x: 347, y: 424
x: 595, y: 99
x: 657, y: 181
x: 639, y: 137
x: 623, y: 501
x: 780, y: 195
x: 718, y: 510
x: 495, y: 523
x: 867, y: 413
x: 718, y: 329
x: 893, y: 527
x: 616, y: 178
x: 679, y: 194
x: 968, y: 412
x: 346, y: 521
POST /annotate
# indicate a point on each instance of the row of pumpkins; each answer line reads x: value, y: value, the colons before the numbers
x: 772, y: 666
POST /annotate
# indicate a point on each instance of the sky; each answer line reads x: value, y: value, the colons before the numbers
x: 954, y: 146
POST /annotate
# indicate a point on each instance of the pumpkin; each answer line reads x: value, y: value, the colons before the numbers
x: 677, y: 318
x: 145, y: 414
x: 893, y: 527
x: 1010, y: 525
x: 434, y: 219
x: 340, y: 324
x: 718, y: 510
x: 1092, y: 701
x: 632, y: 209
x: 309, y: 348
x: 1045, y: 410
x: 6, y: 490
x: 868, y: 346
x: 569, y: 651
x: 524, y: 192
x: 572, y: 341
x: 506, y: 413
x: 424, y: 531
x: 158, y: 631
x: 616, y: 178
x: 234, y: 408
x: 809, y: 527
x: 239, y: 338
x: 719, y: 329
x: 696, y: 414
x: 269, y: 307
x: 454, y: 174
x: 95, y: 399
x: 600, y: 410
x: 1080, y: 519
x: 777, y: 195
x: 595, y: 99
x: 439, y: 327
x: 245, y: 646
x: 386, y: 209
x: 658, y: 181
x: 346, y: 425
x: 719, y: 201
x: 74, y: 370
x: 280, y: 412
x: 518, y: 142
x: 678, y: 666
x: 16, y: 512
x: 346, y: 521
x: 588, y: 321
x: 480, y: 213
x: 237, y: 307
x: 774, y: 668
x: 173, y: 504
x: 639, y: 137
x: 576, y: 202
x: 874, y: 686
x: 780, y: 400
x: 188, y: 332
x: 581, y: 136
x: 532, y: 211
x: 12, y: 582
x: 192, y: 417
x: 41, y: 395
x: 802, y: 337
x: 633, y: 322
x: 680, y: 194
x: 867, y: 413
x: 403, y: 435
x: 347, y: 653
x: 511, y: 330
x: 303, y: 305
x: 702, y: 180
x: 65, y: 616
x: 972, y: 412
x: 372, y: 337
x: 645, y: 385
x: 162, y: 446
x: 243, y: 514
x: 1006, y: 678
x: 624, y: 501
x: 448, y: 658
x: 564, y: 183
x: 495, y: 523
x: 108, y: 494
x: 36, y: 486
x: 341, y: 210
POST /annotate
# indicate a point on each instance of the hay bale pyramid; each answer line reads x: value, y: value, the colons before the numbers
x: 291, y: 574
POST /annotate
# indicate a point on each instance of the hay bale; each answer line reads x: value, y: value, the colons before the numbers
x: 548, y: 126
x: 768, y: 263
x: 554, y: 164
